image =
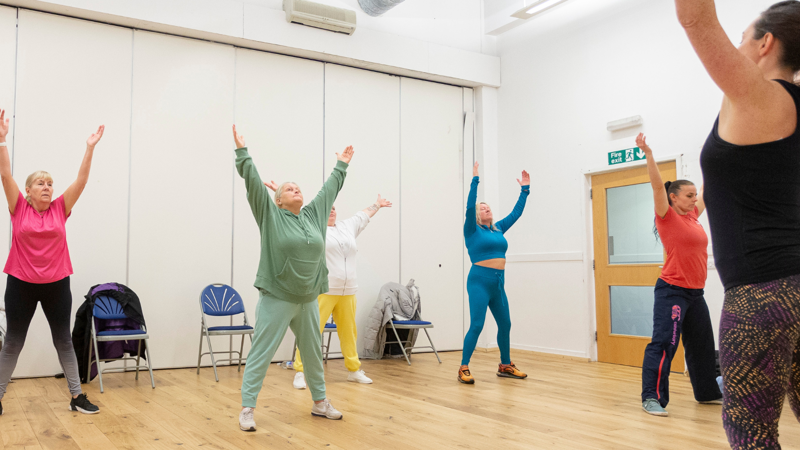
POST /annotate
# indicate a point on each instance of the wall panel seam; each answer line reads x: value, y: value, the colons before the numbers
x: 130, y: 166
x: 14, y: 117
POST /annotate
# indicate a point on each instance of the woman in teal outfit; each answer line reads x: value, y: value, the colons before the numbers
x: 291, y: 274
x: 487, y: 245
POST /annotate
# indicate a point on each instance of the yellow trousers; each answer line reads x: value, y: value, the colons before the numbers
x: 343, y: 308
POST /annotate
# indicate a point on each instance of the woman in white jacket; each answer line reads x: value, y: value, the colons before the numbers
x: 340, y: 300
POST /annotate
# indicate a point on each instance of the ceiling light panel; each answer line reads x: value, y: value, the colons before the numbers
x: 535, y: 8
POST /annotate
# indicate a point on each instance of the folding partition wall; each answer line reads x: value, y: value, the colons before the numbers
x: 165, y: 211
x: 72, y: 76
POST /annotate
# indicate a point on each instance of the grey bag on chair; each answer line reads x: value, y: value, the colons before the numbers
x: 406, y: 305
x: 395, y: 302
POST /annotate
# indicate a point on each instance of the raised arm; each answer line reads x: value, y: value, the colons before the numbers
x: 321, y: 206
x: 9, y: 185
x: 701, y: 204
x: 738, y: 76
x: 257, y: 193
x: 516, y: 213
x: 471, y: 221
x: 372, y: 209
x: 659, y: 192
x: 74, y: 191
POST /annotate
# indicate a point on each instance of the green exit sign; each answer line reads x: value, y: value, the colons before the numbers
x: 624, y: 156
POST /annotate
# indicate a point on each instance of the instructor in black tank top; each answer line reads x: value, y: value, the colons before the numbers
x: 751, y: 169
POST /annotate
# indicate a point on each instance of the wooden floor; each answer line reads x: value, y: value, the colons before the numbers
x: 563, y: 404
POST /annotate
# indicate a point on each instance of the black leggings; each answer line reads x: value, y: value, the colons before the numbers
x: 21, y: 300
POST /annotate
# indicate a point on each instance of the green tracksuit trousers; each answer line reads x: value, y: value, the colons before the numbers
x: 273, y: 318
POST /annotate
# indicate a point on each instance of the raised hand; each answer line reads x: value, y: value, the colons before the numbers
x: 383, y: 203
x: 641, y: 142
x: 526, y: 179
x: 95, y: 138
x: 273, y: 186
x: 3, y: 124
x: 475, y: 169
x: 346, y: 155
x: 239, y: 139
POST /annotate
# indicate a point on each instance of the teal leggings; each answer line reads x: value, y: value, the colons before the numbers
x: 486, y: 289
x: 273, y: 318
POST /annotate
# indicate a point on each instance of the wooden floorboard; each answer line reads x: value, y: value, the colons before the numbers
x: 564, y: 404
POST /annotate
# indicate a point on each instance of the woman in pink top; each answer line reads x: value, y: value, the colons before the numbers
x: 38, y: 265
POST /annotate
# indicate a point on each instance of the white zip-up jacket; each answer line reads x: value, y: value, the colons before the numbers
x: 340, y: 254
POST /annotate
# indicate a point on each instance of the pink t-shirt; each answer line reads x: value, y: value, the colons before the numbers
x: 39, y: 252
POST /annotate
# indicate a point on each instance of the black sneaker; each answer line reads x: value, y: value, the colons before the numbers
x: 82, y: 404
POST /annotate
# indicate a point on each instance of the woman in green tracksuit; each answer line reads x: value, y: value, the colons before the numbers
x: 291, y: 275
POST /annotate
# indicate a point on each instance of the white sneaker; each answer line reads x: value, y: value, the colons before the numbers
x: 246, y: 420
x: 325, y: 409
x: 299, y: 381
x: 359, y: 377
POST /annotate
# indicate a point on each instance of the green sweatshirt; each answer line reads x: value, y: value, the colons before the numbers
x: 292, y: 265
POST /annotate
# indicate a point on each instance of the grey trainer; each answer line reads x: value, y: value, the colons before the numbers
x: 651, y: 406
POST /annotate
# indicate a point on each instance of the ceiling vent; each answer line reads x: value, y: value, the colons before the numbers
x: 317, y: 15
x: 375, y: 8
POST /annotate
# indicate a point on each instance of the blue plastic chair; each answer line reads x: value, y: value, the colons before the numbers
x: 221, y: 300
x: 412, y: 325
x: 106, y: 308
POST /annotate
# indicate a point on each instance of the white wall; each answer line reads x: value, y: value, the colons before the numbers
x: 431, y: 217
x: 438, y: 40
x: 565, y: 74
x: 54, y: 117
x: 8, y: 52
x: 181, y: 184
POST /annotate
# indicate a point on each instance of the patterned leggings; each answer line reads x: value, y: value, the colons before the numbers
x: 759, y: 347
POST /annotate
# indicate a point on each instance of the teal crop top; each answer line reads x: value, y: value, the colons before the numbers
x: 483, y: 243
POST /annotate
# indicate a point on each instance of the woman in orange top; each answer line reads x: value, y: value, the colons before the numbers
x: 679, y: 306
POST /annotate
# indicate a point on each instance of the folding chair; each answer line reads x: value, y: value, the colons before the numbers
x: 106, y: 308
x: 221, y: 300
x: 330, y: 328
x: 411, y: 325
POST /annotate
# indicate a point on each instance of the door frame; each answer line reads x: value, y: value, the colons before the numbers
x: 588, y: 244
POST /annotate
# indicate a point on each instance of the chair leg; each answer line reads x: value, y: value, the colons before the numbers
x: 200, y: 352
x: 432, y: 346
x: 328, y: 347
x: 89, y: 365
x: 241, y: 349
x: 401, y: 343
x: 149, y: 364
x: 294, y: 349
x: 138, y: 357
x: 97, y: 357
x: 213, y: 361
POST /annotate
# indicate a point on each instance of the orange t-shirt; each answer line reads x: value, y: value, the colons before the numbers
x: 686, y: 243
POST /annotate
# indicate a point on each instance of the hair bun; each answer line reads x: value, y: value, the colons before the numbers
x: 667, y: 185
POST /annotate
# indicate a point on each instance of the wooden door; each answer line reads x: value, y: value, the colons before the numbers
x: 628, y: 261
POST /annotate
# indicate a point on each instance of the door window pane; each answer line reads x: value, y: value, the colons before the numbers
x: 632, y: 310
x: 630, y: 226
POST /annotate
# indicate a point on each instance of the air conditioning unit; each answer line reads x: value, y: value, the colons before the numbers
x: 317, y: 15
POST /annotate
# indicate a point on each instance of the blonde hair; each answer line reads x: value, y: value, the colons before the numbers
x: 38, y: 175
x: 478, y: 216
x: 280, y: 190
